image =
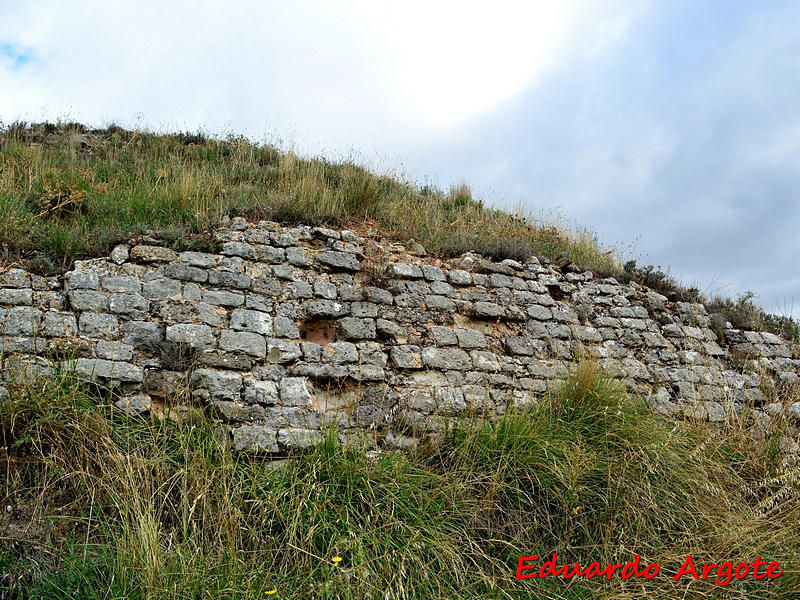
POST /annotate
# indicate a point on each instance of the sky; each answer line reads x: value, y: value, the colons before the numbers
x: 671, y: 129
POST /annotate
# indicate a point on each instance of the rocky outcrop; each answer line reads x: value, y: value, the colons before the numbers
x: 288, y: 330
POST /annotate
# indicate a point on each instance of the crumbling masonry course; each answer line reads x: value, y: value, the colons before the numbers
x: 289, y: 330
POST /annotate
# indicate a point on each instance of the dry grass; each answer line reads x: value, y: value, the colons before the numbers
x: 67, y: 192
x: 156, y: 509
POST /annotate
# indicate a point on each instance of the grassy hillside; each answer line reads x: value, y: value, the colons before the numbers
x: 101, y: 506
x: 68, y: 192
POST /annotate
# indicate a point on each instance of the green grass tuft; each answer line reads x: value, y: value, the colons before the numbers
x: 104, y: 506
x: 67, y: 192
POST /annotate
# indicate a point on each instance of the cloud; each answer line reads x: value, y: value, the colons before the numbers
x: 681, y: 140
x: 671, y: 126
x: 350, y: 71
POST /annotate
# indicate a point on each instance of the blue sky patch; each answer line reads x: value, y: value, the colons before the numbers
x: 18, y: 55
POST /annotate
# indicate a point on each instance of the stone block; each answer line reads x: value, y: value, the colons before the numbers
x: 251, y: 320
x: 14, y: 297
x: 446, y: 359
x: 254, y: 438
x: 98, y: 325
x: 195, y: 336
x: 295, y: 391
x: 149, y: 254
x: 114, y: 350
x: 244, y: 342
x: 140, y: 334
x: 95, y: 368
x: 122, y: 285
x: 351, y: 328
x: 213, y: 384
x: 126, y: 304
x: 186, y: 273
x: 341, y: 261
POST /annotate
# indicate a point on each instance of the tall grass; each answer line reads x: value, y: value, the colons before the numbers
x: 67, y: 192
x: 110, y: 507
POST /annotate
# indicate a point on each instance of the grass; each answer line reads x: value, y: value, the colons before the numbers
x: 110, y: 507
x: 744, y: 313
x: 67, y: 192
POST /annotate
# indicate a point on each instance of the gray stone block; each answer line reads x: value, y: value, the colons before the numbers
x: 295, y: 391
x: 443, y: 336
x: 469, y: 338
x: 195, y: 336
x: 98, y: 325
x: 91, y: 300
x: 326, y: 309
x: 147, y: 254
x: 271, y: 254
x: 351, y: 328
x: 325, y: 290
x: 223, y: 298
x: 459, y: 277
x: 340, y: 261
x: 245, y: 342
x: 285, y: 327
x: 120, y: 254
x: 293, y: 439
x: 297, y: 257
x: 186, y: 273
x: 339, y: 353
x: 122, y: 285
x: 238, y: 249
x: 126, y: 304
x: 389, y: 330
x: 140, y: 334
x: 282, y: 351
x: 251, y: 320
x: 379, y: 296
x: 81, y: 279
x: 114, y: 350
x: 489, y: 309
x: 260, y: 392
x: 15, y: 278
x: 446, y: 359
x: 160, y: 289
x: 16, y: 297
x: 213, y: 384
x: 59, y: 324
x: 198, y: 259
x: 95, y: 368
x: 404, y: 270
x: 254, y: 438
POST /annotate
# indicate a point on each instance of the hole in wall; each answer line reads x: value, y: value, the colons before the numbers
x: 556, y: 292
x: 319, y: 332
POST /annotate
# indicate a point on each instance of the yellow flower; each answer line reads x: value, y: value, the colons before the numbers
x: 337, y: 559
x: 272, y: 592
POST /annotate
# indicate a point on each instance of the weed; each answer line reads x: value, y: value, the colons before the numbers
x: 67, y: 192
x: 161, y: 509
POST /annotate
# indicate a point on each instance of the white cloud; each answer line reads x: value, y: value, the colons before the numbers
x: 379, y: 76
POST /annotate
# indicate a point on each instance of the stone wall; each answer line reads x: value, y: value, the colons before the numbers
x: 288, y: 330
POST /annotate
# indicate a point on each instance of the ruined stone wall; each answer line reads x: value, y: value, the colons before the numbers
x: 287, y: 330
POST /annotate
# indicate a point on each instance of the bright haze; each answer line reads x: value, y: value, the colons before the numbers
x: 670, y: 128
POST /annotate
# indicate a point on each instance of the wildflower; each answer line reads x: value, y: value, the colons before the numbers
x: 272, y: 592
x: 337, y: 560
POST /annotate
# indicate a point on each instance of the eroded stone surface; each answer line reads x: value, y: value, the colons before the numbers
x: 288, y: 330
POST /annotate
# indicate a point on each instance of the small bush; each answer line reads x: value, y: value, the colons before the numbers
x: 658, y: 280
x: 744, y: 313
